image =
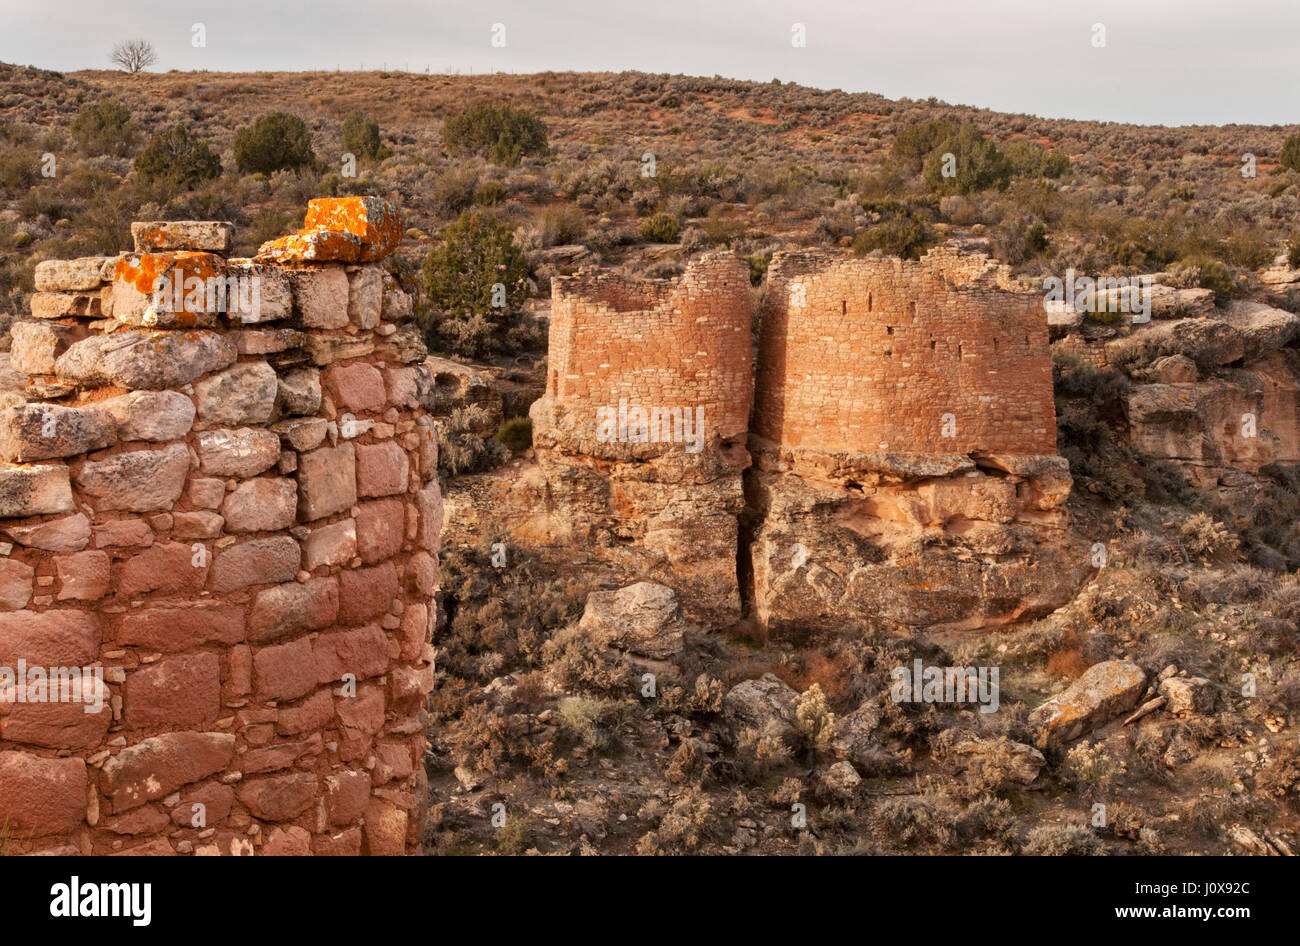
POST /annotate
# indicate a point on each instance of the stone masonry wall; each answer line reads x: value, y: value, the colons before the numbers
x: 867, y: 355
x: 233, y: 511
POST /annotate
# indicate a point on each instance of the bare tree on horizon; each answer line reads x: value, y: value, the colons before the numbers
x: 133, y: 55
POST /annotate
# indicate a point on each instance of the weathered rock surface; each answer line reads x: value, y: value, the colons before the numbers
x: 644, y: 618
x: 1105, y: 690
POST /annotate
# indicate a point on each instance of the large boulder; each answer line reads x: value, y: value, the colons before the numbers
x: 1105, y: 691
x: 765, y: 705
x: 645, y: 618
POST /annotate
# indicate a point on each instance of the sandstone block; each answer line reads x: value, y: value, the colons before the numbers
x: 346, y: 229
x: 302, y: 433
x: 207, y: 493
x: 63, y: 725
x: 382, y: 469
x: 428, y: 502
x: 45, y: 431
x: 334, y: 544
x: 644, y: 618
x: 380, y: 529
x: 327, y: 481
x: 261, y: 505
x: 290, y: 609
x: 173, y: 628
x: 171, y: 567
x: 66, y: 305
x: 327, y: 349
x: 243, y: 452
x: 365, y: 296
x: 154, y: 768
x: 320, y: 296
x: 385, y: 829
x: 366, y: 592
x: 1189, y: 696
x: 123, y: 533
x: 69, y: 534
x: 1104, y: 691
x: 83, y: 576
x: 346, y: 796
x: 158, y: 416
x: 176, y: 692
x: 299, y: 391
x: 34, y: 491
x: 145, y: 361
x: 142, y: 481
x: 74, y: 275
x: 170, y: 290
x: 242, y: 395
x: 51, y: 639
x: 256, y: 562
x: 209, y: 235
x: 15, y: 584
x: 284, y: 671
x: 262, y: 294
x: 198, y: 524
x: 36, y: 346
x: 42, y: 796
x: 356, y: 387
x: 362, y: 652
x: 278, y: 797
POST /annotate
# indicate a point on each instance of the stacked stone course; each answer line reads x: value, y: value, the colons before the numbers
x: 234, y: 512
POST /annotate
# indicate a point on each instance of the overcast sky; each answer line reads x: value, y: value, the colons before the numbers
x: 1164, y: 61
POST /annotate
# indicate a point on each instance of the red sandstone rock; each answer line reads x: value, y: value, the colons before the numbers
x: 279, y: 797
x: 381, y: 527
x: 286, y: 610
x: 180, y: 691
x: 157, y: 766
x: 382, y: 469
x: 346, y: 796
x: 256, y: 562
x: 355, y: 387
x: 51, y: 639
x: 173, y: 628
x: 168, y: 568
x: 366, y: 592
x: 285, y: 671
x: 362, y: 653
x: 327, y: 481
x: 41, y: 796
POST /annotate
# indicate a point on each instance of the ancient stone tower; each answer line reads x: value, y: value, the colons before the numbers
x: 641, y: 431
x: 902, y: 439
x: 220, y: 495
x: 904, y: 444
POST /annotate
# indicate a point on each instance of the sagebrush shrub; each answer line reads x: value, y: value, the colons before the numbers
x: 177, y: 157
x: 275, y: 142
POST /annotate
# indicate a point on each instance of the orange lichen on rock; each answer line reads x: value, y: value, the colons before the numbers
x: 144, y: 271
x: 340, y: 229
